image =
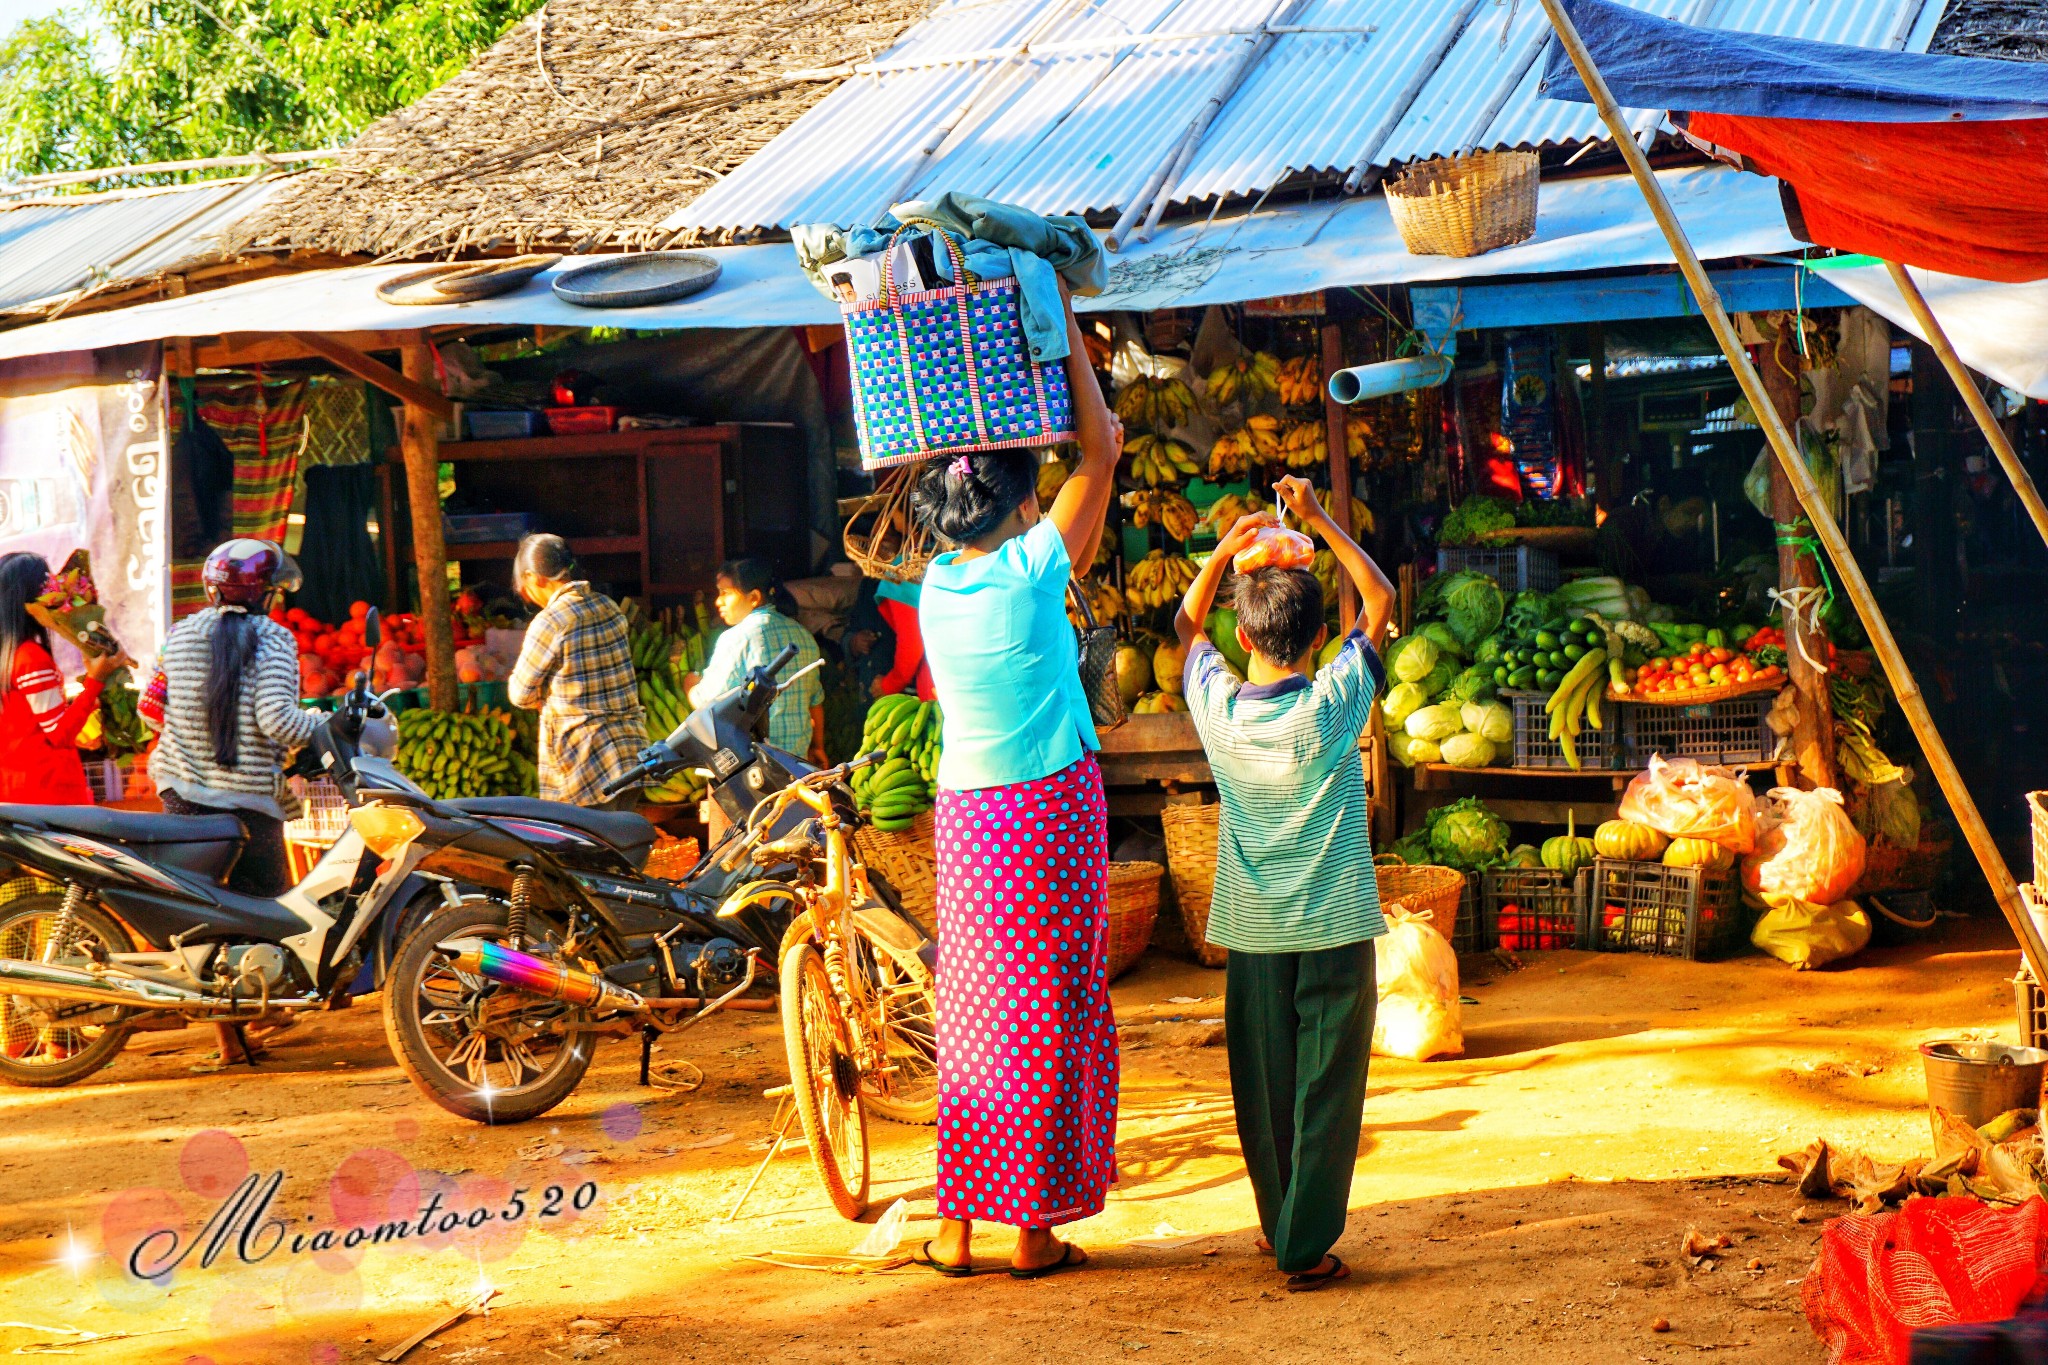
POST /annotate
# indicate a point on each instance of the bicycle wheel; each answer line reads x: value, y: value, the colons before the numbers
x: 905, y: 1018
x: 825, y: 1080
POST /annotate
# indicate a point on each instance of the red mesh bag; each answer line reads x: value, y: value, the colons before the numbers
x: 1929, y: 1263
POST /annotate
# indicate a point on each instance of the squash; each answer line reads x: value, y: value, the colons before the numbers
x: 1628, y: 841
x: 1569, y: 851
x: 1699, y: 853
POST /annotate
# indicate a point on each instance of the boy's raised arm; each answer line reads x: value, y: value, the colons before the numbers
x: 1201, y: 594
x: 1375, y: 592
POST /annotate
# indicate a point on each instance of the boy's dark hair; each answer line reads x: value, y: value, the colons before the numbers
x: 1281, y: 610
x: 963, y: 498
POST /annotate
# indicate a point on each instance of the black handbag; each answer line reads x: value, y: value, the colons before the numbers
x: 1098, y: 646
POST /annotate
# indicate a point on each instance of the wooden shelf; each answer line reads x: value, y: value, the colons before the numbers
x: 505, y: 549
x: 604, y: 445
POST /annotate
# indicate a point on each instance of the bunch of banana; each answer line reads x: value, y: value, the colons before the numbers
x: 1231, y: 455
x: 1225, y: 511
x: 1103, y: 598
x: 1358, y: 441
x: 1160, y: 459
x: 1158, y: 579
x: 1301, y: 381
x: 1576, y: 702
x: 1163, y: 505
x: 685, y: 788
x: 454, y: 754
x: 895, y: 792
x: 1051, y: 478
x: 1155, y: 403
x: 1361, y: 515
x: 1325, y: 570
x: 1249, y: 376
x: 1304, y: 445
x: 653, y: 644
x: 663, y: 701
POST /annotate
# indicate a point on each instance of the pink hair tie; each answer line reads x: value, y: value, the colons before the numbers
x: 962, y: 467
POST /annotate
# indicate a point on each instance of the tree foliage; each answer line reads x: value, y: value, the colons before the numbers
x: 129, y: 81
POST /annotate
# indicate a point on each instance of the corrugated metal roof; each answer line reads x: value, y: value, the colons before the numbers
x: 1075, y: 128
x: 52, y: 247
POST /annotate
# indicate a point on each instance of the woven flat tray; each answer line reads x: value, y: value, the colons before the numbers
x: 1701, y: 695
x: 1547, y: 537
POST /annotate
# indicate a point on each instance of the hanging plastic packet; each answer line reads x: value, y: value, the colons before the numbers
x: 1275, y: 547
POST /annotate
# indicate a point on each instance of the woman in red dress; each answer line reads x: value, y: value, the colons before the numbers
x: 38, y: 729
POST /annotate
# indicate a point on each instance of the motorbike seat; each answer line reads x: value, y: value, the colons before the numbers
x: 632, y: 835
x: 204, y: 845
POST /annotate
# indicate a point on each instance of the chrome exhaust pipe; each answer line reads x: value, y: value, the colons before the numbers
x: 53, y: 981
x: 538, y: 975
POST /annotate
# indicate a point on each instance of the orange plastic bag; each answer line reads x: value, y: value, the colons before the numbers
x: 1809, y: 849
x: 1275, y: 548
x: 1685, y: 799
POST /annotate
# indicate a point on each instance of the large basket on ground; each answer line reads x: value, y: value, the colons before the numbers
x: 1420, y: 887
x: 1191, y: 859
x: 1465, y: 205
x: 909, y: 861
x: 1133, y: 910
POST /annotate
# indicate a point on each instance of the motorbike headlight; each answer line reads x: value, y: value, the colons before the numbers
x: 386, y: 829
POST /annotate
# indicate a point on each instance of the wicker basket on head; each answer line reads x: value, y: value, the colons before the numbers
x: 883, y: 538
x: 909, y: 861
x: 1133, y: 910
x: 1420, y: 887
x: 1465, y: 205
x: 1191, y: 859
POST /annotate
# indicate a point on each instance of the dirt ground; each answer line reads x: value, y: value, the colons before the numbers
x: 1525, y: 1203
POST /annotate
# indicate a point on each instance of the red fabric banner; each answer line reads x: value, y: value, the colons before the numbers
x: 1966, y: 198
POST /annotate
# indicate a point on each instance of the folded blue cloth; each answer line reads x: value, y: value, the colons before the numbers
x: 998, y: 241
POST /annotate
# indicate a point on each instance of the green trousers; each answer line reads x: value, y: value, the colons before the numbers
x: 1299, y: 1028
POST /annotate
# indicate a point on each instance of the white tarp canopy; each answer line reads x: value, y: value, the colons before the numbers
x: 1998, y: 329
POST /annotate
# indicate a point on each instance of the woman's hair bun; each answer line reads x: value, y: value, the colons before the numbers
x: 964, y: 497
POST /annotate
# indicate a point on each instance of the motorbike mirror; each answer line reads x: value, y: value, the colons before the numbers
x: 373, y: 630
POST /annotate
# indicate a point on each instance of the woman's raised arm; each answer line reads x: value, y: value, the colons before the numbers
x: 1083, y: 502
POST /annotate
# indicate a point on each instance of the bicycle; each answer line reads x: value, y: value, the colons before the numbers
x: 859, y: 1003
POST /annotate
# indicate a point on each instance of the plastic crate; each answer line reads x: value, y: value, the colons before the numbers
x: 1732, y: 731
x: 1517, y: 567
x: 1534, y: 748
x: 103, y: 776
x: 1687, y: 912
x: 1473, y: 933
x: 1533, y: 909
x: 590, y: 421
x: 2037, y: 805
x: 483, y: 528
x: 491, y: 425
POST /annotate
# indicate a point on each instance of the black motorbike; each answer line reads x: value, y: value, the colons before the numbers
x: 116, y: 921
x: 494, y: 1004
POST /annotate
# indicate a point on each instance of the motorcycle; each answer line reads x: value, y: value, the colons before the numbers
x: 83, y: 884
x: 494, y: 1004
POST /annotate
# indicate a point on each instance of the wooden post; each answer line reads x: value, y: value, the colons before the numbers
x: 1966, y: 385
x: 421, y: 441
x: 1813, y: 724
x: 1606, y: 468
x: 1337, y: 436
x: 1904, y: 687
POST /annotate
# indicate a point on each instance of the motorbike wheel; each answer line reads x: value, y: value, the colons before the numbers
x: 41, y: 1054
x: 432, y: 1017
x: 824, y: 1079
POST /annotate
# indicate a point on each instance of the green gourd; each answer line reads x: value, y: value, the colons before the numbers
x: 1569, y: 851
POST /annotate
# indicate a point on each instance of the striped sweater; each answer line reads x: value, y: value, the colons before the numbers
x: 270, y: 723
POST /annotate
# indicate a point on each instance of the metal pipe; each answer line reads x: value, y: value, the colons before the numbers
x: 1404, y: 100
x: 55, y: 981
x: 1846, y: 568
x: 1966, y: 385
x: 1377, y: 380
x: 538, y: 976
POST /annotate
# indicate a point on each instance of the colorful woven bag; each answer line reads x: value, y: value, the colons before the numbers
x: 949, y: 370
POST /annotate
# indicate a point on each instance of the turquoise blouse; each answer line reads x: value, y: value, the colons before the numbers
x: 1005, y: 663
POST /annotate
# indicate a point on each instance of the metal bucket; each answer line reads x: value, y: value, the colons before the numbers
x: 1979, y: 1081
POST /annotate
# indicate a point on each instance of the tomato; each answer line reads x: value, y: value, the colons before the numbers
x: 1719, y: 655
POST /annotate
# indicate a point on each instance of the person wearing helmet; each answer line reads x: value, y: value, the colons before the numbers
x: 231, y: 714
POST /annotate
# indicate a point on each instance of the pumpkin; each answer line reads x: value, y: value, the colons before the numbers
x: 1698, y: 853
x: 1569, y: 851
x: 1628, y: 841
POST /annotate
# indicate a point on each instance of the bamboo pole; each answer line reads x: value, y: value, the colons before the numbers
x: 1851, y: 574
x: 1966, y: 385
x: 1337, y: 440
x: 421, y: 442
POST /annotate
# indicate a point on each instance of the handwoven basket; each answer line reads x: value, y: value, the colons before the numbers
x: 883, y: 538
x: 1700, y: 696
x: 1465, y: 205
x: 1191, y: 859
x: 909, y: 860
x: 1420, y: 887
x: 1133, y: 910
x: 670, y: 860
x: 1887, y: 867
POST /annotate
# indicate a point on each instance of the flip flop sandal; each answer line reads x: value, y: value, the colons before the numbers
x: 1310, y: 1280
x: 952, y: 1272
x: 1065, y: 1262
x: 1262, y: 1246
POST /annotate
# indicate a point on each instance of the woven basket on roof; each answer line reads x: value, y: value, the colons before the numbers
x: 909, y: 861
x: 1420, y: 887
x: 1191, y: 859
x: 1133, y: 910
x: 1465, y: 205
x: 883, y: 538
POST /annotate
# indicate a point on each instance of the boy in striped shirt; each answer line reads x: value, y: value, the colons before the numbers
x: 1295, y: 901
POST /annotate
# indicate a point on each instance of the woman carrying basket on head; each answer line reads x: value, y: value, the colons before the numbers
x: 1027, y: 1124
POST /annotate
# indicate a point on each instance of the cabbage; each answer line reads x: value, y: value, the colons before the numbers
x: 1400, y: 744
x: 1473, y: 608
x: 1489, y: 650
x: 1423, y: 751
x: 1412, y: 656
x: 1434, y: 722
x: 1401, y: 701
x: 1467, y: 751
x: 1491, y: 720
x: 1445, y: 640
x: 1473, y: 685
x: 1466, y: 835
x: 1441, y: 677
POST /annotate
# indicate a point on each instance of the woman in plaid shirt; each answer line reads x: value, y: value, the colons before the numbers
x: 576, y: 668
x: 749, y: 602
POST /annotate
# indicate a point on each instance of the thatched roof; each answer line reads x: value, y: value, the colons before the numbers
x: 2014, y: 30
x: 581, y: 129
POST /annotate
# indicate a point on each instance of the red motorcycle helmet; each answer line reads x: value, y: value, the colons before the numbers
x: 248, y: 572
